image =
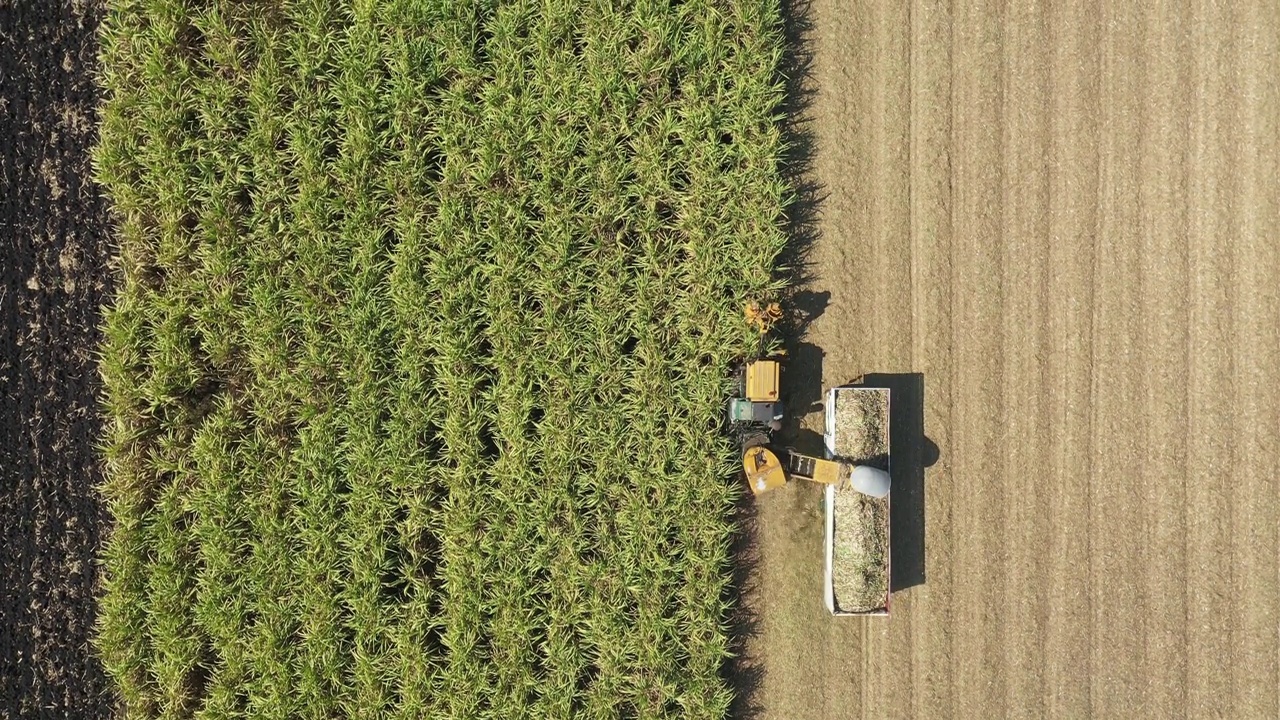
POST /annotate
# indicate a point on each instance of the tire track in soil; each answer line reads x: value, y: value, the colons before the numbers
x: 1256, y: 678
x: 1074, y: 77
x: 1162, y: 199
x: 1115, y: 509
x: 931, y: 678
x: 980, y: 666
x: 884, y: 280
x: 1211, y: 382
x: 1024, y: 339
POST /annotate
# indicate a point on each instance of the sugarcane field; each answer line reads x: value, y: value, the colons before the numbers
x: 592, y: 359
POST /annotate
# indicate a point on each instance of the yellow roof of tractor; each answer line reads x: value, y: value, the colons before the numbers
x: 762, y: 380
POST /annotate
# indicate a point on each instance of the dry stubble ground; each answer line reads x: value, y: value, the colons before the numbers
x: 1065, y: 219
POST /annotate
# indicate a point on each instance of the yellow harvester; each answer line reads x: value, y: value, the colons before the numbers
x: 766, y: 468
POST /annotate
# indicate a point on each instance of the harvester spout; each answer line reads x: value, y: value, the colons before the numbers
x: 869, y: 481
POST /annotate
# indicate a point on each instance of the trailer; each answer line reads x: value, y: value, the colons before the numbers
x: 856, y: 532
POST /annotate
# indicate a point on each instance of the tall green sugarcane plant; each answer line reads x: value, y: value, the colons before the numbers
x: 414, y: 377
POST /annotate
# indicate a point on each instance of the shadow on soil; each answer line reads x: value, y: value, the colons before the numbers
x: 743, y: 673
x: 910, y: 452
x: 803, y: 370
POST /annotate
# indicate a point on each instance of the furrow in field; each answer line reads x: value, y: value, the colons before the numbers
x: 1072, y: 237
x: 1163, y: 409
x: 888, y: 267
x: 932, y: 286
x: 979, y: 85
x: 1253, y: 157
x: 888, y: 273
x: 1024, y: 342
x: 1115, y: 507
x: 1264, y: 106
x: 1210, y: 375
x: 1025, y: 269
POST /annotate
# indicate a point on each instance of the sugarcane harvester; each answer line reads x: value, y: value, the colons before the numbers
x: 757, y: 412
x: 853, y: 472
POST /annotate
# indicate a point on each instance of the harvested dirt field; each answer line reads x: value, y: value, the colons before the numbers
x: 51, y: 286
x: 1060, y: 223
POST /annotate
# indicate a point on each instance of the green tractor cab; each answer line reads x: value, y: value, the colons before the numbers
x: 742, y: 410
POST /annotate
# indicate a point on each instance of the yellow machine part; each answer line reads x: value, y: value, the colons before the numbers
x: 827, y: 472
x: 762, y: 380
x: 764, y: 469
x: 805, y: 467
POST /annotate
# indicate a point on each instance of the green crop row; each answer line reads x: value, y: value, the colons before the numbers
x: 414, y: 377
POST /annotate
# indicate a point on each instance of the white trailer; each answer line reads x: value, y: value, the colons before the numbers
x: 859, y: 451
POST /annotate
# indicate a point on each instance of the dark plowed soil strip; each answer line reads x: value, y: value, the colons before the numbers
x: 53, y: 279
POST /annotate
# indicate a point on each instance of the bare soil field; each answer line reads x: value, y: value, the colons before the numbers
x: 1060, y: 223
x: 55, y: 250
